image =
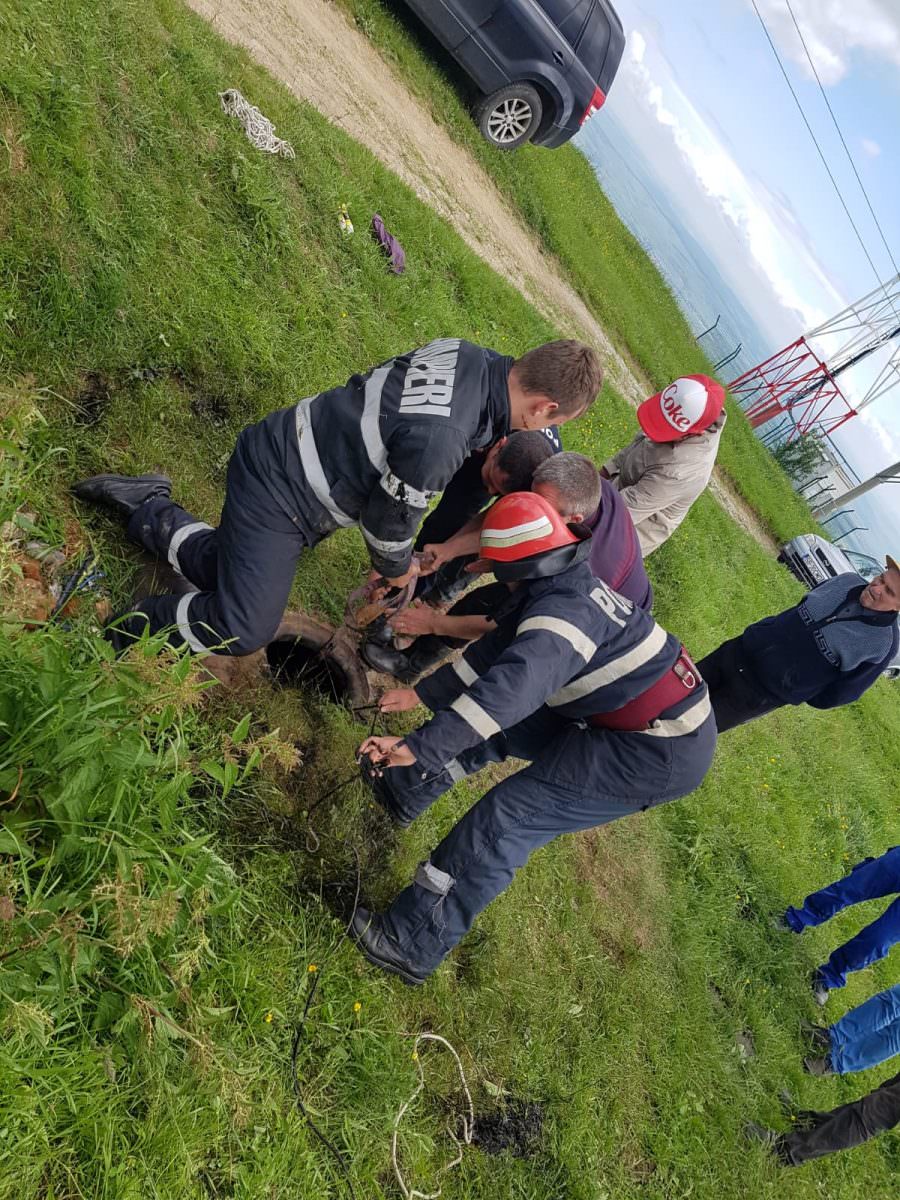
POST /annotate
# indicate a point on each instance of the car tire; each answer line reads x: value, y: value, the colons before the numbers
x: 508, y: 117
x: 782, y: 560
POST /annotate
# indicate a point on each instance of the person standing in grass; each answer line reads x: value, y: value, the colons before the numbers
x: 871, y: 879
x: 816, y: 1134
x: 825, y: 651
x: 372, y: 453
x: 663, y: 471
x: 864, y: 1037
x: 604, y: 705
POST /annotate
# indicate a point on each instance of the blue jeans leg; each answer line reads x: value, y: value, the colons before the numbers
x: 868, y: 880
x: 869, y: 945
x: 868, y: 1034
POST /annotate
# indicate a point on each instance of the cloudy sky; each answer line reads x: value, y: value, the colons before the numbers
x: 702, y: 94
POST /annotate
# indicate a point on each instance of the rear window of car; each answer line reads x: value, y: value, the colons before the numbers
x: 594, y: 44
x: 569, y: 16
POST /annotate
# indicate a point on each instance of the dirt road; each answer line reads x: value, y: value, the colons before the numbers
x: 313, y: 48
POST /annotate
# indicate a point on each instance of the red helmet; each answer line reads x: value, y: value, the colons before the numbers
x: 524, y: 537
x: 689, y: 405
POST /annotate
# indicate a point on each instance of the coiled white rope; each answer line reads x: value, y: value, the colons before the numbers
x: 259, y: 129
x: 468, y: 1121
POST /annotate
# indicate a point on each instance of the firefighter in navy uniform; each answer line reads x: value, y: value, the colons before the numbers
x: 372, y: 453
x: 603, y: 703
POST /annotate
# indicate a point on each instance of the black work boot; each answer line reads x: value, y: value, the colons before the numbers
x: 407, y: 665
x: 122, y: 493
x: 373, y: 778
x: 388, y: 660
x: 381, y: 950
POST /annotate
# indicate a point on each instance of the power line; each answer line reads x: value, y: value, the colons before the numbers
x: 862, y: 187
x: 816, y: 144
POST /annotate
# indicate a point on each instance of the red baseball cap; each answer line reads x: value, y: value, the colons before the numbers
x: 689, y: 405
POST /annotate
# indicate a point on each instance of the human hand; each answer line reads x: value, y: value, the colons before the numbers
x: 434, y: 555
x: 417, y: 619
x: 400, y: 581
x: 398, y: 700
x: 387, y: 752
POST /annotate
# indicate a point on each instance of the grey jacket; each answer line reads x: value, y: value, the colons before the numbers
x: 659, y: 481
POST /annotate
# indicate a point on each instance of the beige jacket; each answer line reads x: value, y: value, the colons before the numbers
x: 659, y: 481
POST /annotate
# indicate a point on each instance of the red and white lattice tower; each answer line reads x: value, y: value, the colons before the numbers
x: 800, y: 381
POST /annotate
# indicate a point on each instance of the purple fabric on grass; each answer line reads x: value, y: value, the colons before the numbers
x: 389, y: 245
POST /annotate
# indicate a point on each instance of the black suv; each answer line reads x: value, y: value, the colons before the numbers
x: 545, y: 66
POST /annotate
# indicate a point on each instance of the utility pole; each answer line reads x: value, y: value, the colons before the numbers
x: 888, y: 475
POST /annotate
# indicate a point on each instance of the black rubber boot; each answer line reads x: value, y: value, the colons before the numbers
x: 387, y: 660
x: 380, y: 950
x: 122, y: 493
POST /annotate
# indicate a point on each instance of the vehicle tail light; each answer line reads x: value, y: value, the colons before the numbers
x: 597, y: 101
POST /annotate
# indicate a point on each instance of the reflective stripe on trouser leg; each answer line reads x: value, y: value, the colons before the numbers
x: 524, y: 812
x: 182, y: 620
x: 433, y: 879
x: 181, y: 535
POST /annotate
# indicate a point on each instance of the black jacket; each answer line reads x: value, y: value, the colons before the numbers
x: 376, y: 451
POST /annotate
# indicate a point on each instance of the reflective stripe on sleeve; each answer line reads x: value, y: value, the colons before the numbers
x: 370, y: 423
x: 312, y: 465
x: 475, y: 716
x: 398, y: 489
x: 455, y: 770
x: 642, y: 653
x: 383, y: 546
x: 579, y: 641
x: 465, y: 672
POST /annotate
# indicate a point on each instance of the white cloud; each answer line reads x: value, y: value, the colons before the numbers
x: 889, y: 438
x: 762, y: 222
x: 871, y: 148
x: 833, y: 30
x: 637, y: 46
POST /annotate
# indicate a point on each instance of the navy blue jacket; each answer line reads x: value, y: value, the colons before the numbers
x: 569, y: 642
x: 782, y: 654
x: 375, y: 452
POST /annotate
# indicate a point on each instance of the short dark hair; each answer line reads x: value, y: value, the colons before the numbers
x: 566, y: 371
x: 520, y: 456
x: 576, y: 479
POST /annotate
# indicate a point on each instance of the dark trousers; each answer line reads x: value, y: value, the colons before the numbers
x: 869, y: 880
x: 821, y: 1133
x: 736, y: 696
x: 243, y: 570
x: 578, y: 777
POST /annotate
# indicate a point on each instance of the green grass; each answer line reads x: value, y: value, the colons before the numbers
x: 162, y: 285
